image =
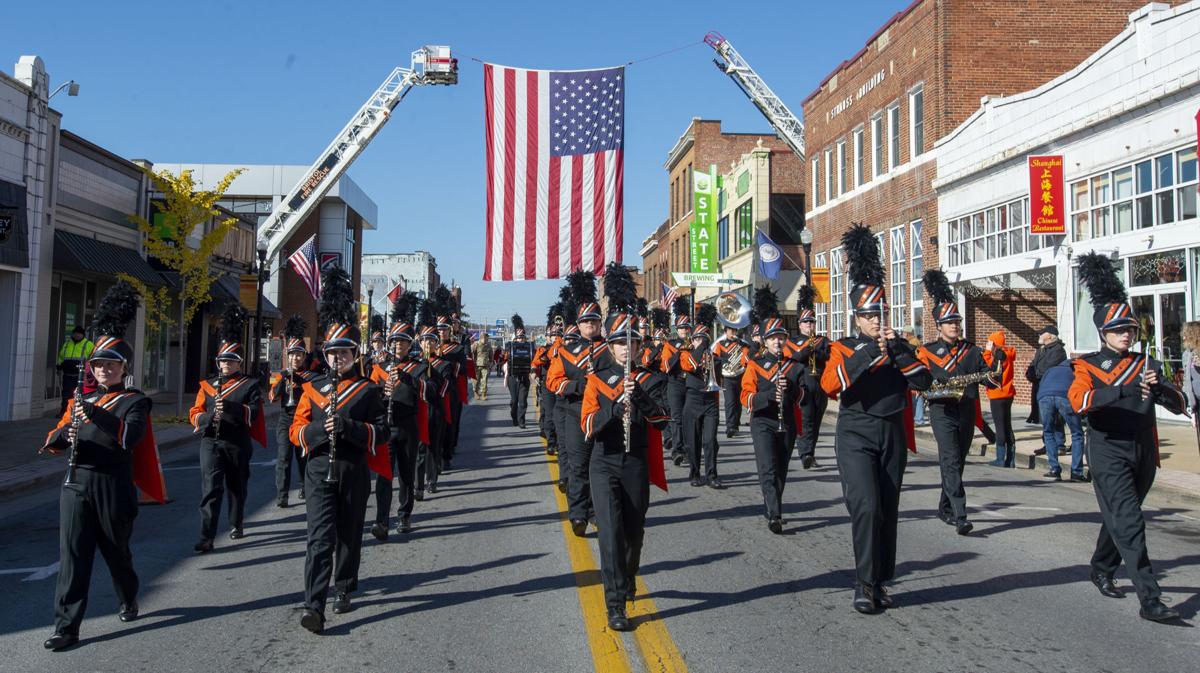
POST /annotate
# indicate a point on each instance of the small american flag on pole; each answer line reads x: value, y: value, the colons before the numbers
x: 669, y: 295
x: 555, y: 147
x: 304, y: 263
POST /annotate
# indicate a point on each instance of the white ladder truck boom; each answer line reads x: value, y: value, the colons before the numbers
x: 786, y: 124
x: 430, y: 65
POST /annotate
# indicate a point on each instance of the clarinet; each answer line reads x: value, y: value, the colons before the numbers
x: 779, y: 374
x: 391, y: 377
x: 330, y: 475
x: 73, y: 458
x: 216, y: 399
x: 628, y: 420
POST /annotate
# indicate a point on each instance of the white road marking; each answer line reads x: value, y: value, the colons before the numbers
x: 34, y: 574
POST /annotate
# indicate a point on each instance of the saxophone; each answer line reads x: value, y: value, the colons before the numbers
x: 954, y: 387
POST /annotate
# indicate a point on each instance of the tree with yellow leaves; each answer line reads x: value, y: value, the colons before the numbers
x: 185, y: 210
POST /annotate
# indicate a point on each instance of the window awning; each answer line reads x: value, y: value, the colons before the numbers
x: 73, y: 252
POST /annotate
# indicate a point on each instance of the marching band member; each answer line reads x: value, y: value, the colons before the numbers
x: 676, y: 388
x: 811, y: 350
x: 621, y: 410
x: 700, y: 405
x: 871, y: 373
x: 286, y: 388
x: 518, y: 371
x: 952, y: 418
x: 455, y: 372
x: 729, y: 354
x: 541, y: 367
x: 340, y: 424
x: 227, y: 414
x: 399, y: 373
x: 1117, y: 390
x: 110, y: 439
x: 770, y: 389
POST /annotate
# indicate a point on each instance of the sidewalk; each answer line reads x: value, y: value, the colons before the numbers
x: 22, y: 469
x: 1180, y: 471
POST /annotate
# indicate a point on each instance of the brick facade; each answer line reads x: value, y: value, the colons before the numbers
x: 1019, y: 318
x: 954, y: 52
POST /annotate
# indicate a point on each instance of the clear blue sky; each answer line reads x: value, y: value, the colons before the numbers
x: 271, y: 82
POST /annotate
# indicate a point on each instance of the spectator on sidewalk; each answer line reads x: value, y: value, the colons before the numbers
x: 1050, y: 352
x: 910, y: 335
x: 1054, y: 407
x: 1001, y: 359
x: 1191, y: 372
x: 71, y: 356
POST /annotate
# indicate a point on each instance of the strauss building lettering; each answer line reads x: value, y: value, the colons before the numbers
x: 863, y: 90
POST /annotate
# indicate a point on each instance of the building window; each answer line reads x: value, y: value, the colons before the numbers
x: 674, y: 201
x: 816, y: 174
x: 916, y: 121
x: 898, y: 264
x: 858, y: 157
x: 723, y: 237
x: 994, y: 233
x: 893, y: 123
x: 744, y: 217
x: 837, y: 295
x: 877, y: 145
x: 916, y: 248
x: 687, y: 193
x: 841, y: 167
x: 822, y: 309
x: 1148, y: 193
x: 829, y: 193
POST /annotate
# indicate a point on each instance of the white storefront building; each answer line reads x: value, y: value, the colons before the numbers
x: 1125, y: 122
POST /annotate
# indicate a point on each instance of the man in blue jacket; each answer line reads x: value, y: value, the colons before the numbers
x: 1053, y: 405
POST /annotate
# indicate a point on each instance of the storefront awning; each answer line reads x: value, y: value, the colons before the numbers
x: 73, y: 252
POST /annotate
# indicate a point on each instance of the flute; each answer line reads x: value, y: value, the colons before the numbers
x: 73, y: 458
x: 330, y: 475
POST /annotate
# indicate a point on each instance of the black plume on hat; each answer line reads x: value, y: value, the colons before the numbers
x: 583, y: 286
x: 806, y: 298
x: 404, y: 309
x: 661, y: 317
x: 117, y: 309
x: 705, y: 315
x: 681, y: 306
x: 766, y: 303
x: 620, y: 289
x: 378, y: 324
x: 555, y: 309
x: 938, y: 286
x: 642, y: 307
x: 233, y: 323
x: 862, y: 252
x: 1098, y: 273
x: 295, y: 327
x: 443, y: 301
x: 337, y: 299
x: 517, y: 322
x: 426, y: 316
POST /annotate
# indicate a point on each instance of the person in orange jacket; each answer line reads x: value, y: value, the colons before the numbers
x: 1002, y: 358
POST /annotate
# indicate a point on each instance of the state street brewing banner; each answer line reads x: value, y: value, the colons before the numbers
x: 1047, y: 209
x: 702, y: 234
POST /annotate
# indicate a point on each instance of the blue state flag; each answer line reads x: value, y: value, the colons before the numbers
x: 770, y: 257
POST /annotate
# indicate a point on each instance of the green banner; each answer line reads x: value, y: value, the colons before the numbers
x: 702, y: 233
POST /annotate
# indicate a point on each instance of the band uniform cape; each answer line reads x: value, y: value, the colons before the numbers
x: 308, y: 431
x: 208, y: 391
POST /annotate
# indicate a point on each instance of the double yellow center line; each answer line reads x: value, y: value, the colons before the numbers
x: 609, y: 650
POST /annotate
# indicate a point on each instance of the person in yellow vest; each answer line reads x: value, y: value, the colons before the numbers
x: 74, y: 352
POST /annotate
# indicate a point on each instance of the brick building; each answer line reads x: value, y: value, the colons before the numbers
x: 701, y: 145
x: 872, y: 125
x: 1123, y: 122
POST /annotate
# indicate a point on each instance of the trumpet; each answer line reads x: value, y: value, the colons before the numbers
x: 330, y: 475
x: 707, y: 363
x: 291, y: 387
x: 73, y: 458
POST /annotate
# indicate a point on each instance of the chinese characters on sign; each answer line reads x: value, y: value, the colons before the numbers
x: 1047, y: 211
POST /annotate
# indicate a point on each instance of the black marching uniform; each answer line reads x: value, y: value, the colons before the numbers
x: 456, y: 356
x: 676, y: 396
x: 336, y: 511
x: 813, y: 353
x: 97, y: 511
x: 286, y: 391
x: 699, y: 418
x: 953, y: 422
x: 440, y: 385
x: 225, y: 449
x: 518, y: 366
x: 772, y: 438
x: 568, y: 378
x: 402, y: 436
x: 727, y: 349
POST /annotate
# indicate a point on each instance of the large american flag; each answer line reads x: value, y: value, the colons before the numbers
x: 555, y: 148
x: 304, y: 262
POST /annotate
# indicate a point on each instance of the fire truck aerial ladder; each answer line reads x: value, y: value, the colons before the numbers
x: 430, y: 65
x: 789, y: 128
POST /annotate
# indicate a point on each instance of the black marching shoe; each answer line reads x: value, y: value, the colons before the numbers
x: 729, y: 434
x: 808, y: 462
x: 419, y: 494
x: 203, y: 546
x: 562, y: 485
x: 677, y: 459
x: 432, y: 488
x: 775, y: 525
x: 128, y: 612
x: 716, y: 483
x: 237, y: 533
x: 446, y: 464
x: 697, y: 481
x: 551, y: 451
x: 380, y: 531
x: 341, y: 603
x: 1056, y: 475
x: 1040, y: 452
x: 882, y: 598
x: 60, y: 641
x: 947, y: 518
x: 963, y: 527
x: 403, y: 525
x: 864, y: 600
x: 1155, y: 611
x: 630, y: 594
x: 579, y: 527
x: 1106, y: 585
x: 282, y: 503
x: 1082, y: 478
x: 617, y: 621
x: 301, y: 496
x: 312, y: 620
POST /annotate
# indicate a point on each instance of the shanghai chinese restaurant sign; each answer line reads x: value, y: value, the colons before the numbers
x: 1047, y: 208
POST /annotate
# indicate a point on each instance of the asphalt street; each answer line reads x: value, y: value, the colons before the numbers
x: 489, y: 580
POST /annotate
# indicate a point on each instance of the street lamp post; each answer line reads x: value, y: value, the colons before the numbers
x: 263, y: 274
x: 370, y: 309
x: 806, y: 238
